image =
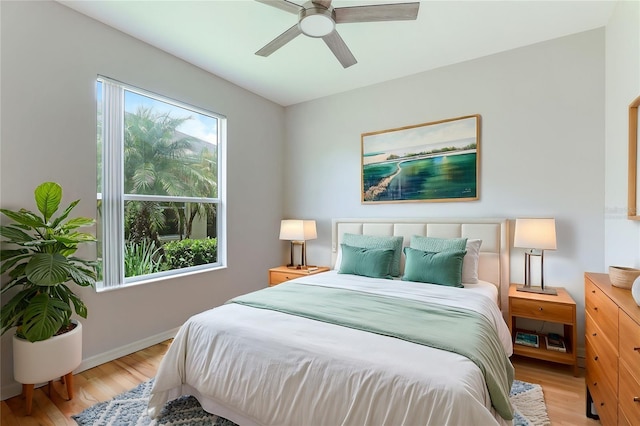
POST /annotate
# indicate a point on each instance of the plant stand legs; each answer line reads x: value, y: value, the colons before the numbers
x: 68, y: 380
x: 27, y: 390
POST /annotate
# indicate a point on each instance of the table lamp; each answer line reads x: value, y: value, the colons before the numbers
x: 536, y: 235
x: 298, y: 232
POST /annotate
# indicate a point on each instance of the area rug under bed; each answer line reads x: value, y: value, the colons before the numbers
x: 130, y: 408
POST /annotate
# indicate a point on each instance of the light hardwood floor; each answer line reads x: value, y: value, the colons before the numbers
x: 564, y: 393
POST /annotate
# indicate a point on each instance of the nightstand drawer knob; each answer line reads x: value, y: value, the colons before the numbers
x: 595, y: 383
x: 595, y: 358
x: 637, y: 349
x: 636, y: 399
x: 594, y: 334
x: 540, y: 308
x: 602, y: 404
x: 595, y: 308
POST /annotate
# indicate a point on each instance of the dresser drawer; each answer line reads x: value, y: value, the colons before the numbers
x: 595, y: 334
x: 545, y: 311
x: 630, y: 343
x: 604, y: 399
x: 603, y: 311
x: 622, y: 418
x: 629, y: 395
x: 602, y: 362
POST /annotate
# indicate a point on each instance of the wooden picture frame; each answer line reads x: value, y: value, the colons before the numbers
x: 634, y: 159
x: 430, y: 162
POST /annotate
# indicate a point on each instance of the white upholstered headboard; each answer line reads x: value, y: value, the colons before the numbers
x: 494, y: 233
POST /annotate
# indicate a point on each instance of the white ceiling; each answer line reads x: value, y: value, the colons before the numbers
x: 222, y: 37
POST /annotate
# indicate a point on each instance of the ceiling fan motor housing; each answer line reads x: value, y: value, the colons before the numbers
x: 316, y: 21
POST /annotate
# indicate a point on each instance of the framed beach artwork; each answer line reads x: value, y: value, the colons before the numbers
x: 430, y: 162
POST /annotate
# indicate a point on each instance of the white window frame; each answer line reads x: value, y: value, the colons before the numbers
x: 113, y: 196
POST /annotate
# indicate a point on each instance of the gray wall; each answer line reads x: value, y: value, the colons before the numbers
x: 51, y: 57
x: 542, y: 147
x: 622, y: 236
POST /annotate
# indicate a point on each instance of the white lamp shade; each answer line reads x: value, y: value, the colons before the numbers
x: 535, y: 234
x: 298, y: 230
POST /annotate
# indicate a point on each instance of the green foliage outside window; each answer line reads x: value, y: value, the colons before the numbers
x: 185, y: 253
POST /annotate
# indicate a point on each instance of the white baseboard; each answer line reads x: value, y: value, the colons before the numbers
x: 15, y: 388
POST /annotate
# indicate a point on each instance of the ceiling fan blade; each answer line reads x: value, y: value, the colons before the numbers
x: 285, y: 5
x: 323, y: 3
x: 378, y: 12
x: 340, y: 49
x: 280, y: 41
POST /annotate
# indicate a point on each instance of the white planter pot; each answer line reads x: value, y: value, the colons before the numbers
x: 49, y: 359
x: 635, y: 291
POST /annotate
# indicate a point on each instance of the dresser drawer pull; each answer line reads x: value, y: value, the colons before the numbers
x: 636, y: 399
x: 540, y: 308
x: 595, y: 358
x: 637, y: 348
x: 594, y: 334
x: 593, y: 291
x: 602, y: 404
x: 595, y: 308
x: 595, y: 383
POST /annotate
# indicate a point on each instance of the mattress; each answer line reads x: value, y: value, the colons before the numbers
x: 261, y: 367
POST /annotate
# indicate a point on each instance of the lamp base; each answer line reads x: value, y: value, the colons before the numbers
x: 539, y: 290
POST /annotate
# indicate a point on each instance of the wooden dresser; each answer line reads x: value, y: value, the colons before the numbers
x: 612, y: 339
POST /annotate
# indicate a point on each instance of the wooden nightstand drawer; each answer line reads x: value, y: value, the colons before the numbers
x: 630, y: 343
x: 280, y: 277
x: 282, y: 273
x: 545, y: 311
x: 602, y: 310
x: 629, y: 395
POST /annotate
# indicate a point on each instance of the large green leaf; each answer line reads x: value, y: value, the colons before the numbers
x: 64, y: 214
x: 79, y: 306
x: 77, y: 222
x: 44, y: 317
x: 9, y: 261
x: 47, y: 269
x: 11, y: 312
x: 75, y: 238
x: 48, y: 196
x: 24, y: 218
x: 15, y: 235
x: 10, y: 254
x: 82, y: 277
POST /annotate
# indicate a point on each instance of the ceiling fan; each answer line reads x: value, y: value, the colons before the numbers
x: 318, y: 19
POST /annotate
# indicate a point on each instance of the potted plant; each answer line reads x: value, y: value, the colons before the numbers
x: 47, y: 343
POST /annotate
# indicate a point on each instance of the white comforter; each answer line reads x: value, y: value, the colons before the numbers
x: 259, y: 367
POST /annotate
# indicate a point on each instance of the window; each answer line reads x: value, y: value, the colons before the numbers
x: 160, y: 192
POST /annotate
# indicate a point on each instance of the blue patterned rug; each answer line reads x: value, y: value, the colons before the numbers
x: 129, y: 409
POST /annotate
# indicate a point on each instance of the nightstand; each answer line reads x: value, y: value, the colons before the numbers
x: 283, y: 273
x: 559, y: 309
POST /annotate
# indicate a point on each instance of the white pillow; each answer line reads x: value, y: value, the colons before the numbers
x: 338, y: 259
x: 470, y: 262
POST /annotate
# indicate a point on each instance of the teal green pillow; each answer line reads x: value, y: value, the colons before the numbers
x: 378, y: 242
x: 443, y: 268
x: 436, y: 245
x: 374, y: 263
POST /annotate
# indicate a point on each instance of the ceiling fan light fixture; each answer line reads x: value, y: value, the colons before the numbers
x: 316, y: 22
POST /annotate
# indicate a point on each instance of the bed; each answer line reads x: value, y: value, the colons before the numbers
x: 342, y: 348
